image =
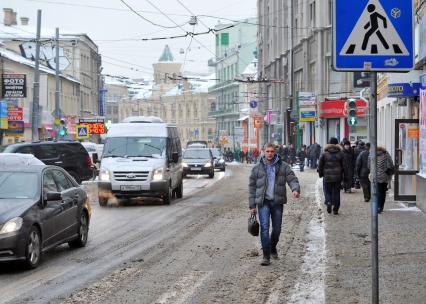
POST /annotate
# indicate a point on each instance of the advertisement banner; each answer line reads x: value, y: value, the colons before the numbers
x: 404, y: 89
x: 3, y: 115
x: 307, y: 99
x: 16, y: 129
x: 422, y: 135
x: 307, y: 106
x: 15, y: 113
x: 14, y: 86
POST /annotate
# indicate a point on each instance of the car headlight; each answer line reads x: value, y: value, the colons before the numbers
x: 12, y: 225
x: 185, y: 165
x: 158, y: 174
x: 221, y: 161
x: 104, y: 175
x: 208, y: 165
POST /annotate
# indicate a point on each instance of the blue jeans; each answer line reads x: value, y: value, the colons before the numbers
x: 266, y: 212
x: 332, y: 194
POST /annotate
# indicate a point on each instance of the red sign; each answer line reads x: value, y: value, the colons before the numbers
x: 258, y: 122
x: 336, y: 108
x: 15, y: 113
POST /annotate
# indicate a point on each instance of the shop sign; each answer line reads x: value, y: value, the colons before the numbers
x: 14, y: 86
x: 306, y: 99
x: 258, y: 122
x: 336, y: 108
x: 308, y: 114
x: 423, y: 81
x: 404, y: 89
x: 16, y: 128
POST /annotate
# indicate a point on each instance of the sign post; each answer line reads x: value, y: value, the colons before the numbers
x: 373, y: 36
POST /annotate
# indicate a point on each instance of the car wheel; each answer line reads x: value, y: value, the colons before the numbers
x: 83, y: 232
x: 33, y: 248
x: 211, y: 175
x: 179, y: 190
x: 167, y: 197
x: 222, y: 169
x: 103, y: 201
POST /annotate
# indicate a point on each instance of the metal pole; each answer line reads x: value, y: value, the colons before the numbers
x: 374, y: 205
x: 57, y: 91
x: 292, y: 100
x: 36, y: 91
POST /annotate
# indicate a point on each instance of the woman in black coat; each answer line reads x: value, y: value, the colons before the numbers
x: 348, y: 166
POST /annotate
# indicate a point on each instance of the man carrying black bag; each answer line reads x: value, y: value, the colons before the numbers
x: 267, y: 192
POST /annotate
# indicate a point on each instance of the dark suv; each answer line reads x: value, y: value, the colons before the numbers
x: 70, y: 155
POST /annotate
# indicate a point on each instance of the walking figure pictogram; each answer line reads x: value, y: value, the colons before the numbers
x: 373, y: 24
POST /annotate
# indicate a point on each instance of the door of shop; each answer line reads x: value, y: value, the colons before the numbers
x: 406, y: 158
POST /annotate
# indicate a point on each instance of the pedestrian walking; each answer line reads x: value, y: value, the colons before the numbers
x: 267, y: 192
x: 292, y: 155
x: 359, y: 147
x: 302, y: 156
x: 242, y: 156
x: 314, y: 154
x: 362, y: 172
x: 385, y: 170
x: 348, y: 165
x: 330, y: 167
x: 255, y: 155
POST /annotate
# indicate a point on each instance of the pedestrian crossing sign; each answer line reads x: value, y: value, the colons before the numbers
x: 373, y: 35
x: 82, y: 132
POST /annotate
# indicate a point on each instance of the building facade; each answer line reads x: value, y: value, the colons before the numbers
x: 235, y: 50
x: 295, y: 56
x: 79, y: 56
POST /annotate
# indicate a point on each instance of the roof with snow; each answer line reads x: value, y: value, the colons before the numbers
x: 251, y: 69
x: 22, y: 60
x: 167, y: 55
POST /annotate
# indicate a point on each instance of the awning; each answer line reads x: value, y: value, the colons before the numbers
x: 243, y: 118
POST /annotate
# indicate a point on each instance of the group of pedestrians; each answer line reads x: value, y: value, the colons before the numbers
x: 339, y: 165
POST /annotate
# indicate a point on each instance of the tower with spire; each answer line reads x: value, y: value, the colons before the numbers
x: 165, y: 70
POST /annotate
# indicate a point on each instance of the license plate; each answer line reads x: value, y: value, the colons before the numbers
x: 130, y: 188
x: 195, y: 169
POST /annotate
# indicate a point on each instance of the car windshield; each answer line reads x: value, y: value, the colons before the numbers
x: 134, y: 147
x: 197, y: 154
x: 15, y: 185
x: 216, y: 153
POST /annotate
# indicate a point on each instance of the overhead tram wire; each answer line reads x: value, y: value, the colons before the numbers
x: 180, y: 2
x: 153, y: 23
x: 180, y: 26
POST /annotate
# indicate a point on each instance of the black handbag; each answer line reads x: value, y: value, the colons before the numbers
x: 253, y: 225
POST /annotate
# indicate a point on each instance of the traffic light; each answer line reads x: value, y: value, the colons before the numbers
x: 63, y: 131
x: 351, y: 110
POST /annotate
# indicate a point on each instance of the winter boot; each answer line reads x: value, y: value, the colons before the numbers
x: 266, y: 258
x: 274, y: 253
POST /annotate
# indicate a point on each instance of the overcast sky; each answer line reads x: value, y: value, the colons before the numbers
x: 112, y: 20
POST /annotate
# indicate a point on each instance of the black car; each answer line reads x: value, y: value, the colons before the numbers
x: 219, y: 161
x: 70, y: 155
x: 198, y: 161
x: 40, y: 207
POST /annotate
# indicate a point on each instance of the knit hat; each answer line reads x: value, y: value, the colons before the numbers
x: 333, y: 141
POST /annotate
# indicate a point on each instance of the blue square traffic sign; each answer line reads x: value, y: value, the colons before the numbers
x: 373, y: 35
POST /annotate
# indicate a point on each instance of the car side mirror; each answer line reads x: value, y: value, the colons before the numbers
x: 214, y: 157
x: 175, y: 157
x: 95, y: 158
x: 53, y: 196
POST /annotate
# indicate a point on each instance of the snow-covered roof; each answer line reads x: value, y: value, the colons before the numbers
x: 251, y: 69
x: 29, y: 32
x: 177, y: 90
x: 22, y: 60
x: 143, y: 94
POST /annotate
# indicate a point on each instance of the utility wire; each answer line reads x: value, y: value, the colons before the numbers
x: 179, y: 26
x: 180, y: 2
x: 153, y: 23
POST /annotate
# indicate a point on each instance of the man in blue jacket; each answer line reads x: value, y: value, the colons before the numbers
x: 267, y: 192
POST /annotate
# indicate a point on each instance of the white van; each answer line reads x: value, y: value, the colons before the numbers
x: 141, y: 157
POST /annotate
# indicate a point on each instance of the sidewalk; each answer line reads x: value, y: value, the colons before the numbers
x: 402, y: 252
